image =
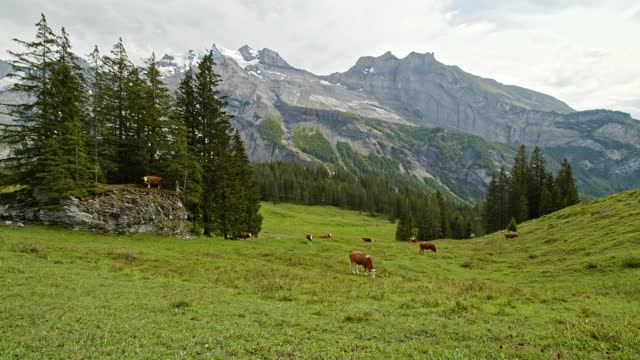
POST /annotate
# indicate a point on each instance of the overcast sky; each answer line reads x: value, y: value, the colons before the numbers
x: 582, y: 52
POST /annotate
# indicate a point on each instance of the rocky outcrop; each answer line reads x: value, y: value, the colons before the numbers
x: 120, y: 210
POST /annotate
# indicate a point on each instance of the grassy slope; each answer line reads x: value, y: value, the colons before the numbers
x: 569, y: 285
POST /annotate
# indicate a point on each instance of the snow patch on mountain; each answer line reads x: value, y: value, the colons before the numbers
x: 237, y: 57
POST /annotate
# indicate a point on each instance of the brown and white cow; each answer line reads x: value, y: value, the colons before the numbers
x: 245, y: 235
x: 511, y: 234
x: 309, y: 238
x: 358, y: 258
x: 413, y: 239
x: 427, y: 246
x: 327, y: 236
x: 149, y: 179
x: 366, y: 240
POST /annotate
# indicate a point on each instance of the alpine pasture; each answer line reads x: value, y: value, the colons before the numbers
x: 568, y: 287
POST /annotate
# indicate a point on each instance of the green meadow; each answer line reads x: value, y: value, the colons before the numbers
x: 569, y: 287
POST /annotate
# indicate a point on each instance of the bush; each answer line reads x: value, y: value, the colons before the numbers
x: 513, y: 225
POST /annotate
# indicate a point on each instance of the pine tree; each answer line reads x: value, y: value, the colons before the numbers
x: 566, y: 184
x: 502, y: 191
x: 27, y: 134
x: 404, y: 227
x: 188, y: 152
x: 513, y: 225
x: 94, y: 124
x: 51, y: 127
x: 518, y: 186
x: 490, y: 211
x: 445, y: 230
x: 157, y: 110
x: 537, y: 176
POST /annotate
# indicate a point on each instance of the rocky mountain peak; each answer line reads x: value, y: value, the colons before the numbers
x: 248, y: 53
x: 272, y: 58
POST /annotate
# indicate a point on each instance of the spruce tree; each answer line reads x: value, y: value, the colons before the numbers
x: 513, y: 225
x: 537, y: 176
x: 404, y: 227
x: 518, y: 186
x: 566, y: 184
x: 157, y: 111
x: 28, y: 132
x: 490, y: 211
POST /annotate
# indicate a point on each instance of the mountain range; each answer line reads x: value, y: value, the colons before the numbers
x: 412, y: 119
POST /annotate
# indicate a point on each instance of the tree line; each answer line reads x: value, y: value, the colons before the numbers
x: 427, y: 215
x: 528, y: 191
x: 113, y: 122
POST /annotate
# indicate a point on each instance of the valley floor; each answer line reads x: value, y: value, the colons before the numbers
x: 568, y: 287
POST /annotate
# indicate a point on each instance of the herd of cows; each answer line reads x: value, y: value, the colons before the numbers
x: 359, y: 258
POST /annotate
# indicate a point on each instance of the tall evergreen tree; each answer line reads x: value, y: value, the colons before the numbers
x: 536, y: 183
x: 405, y: 226
x: 491, y: 211
x: 518, y: 186
x: 25, y: 136
x: 157, y: 110
x: 566, y: 184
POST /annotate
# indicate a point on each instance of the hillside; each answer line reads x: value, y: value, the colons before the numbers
x: 420, y: 93
x: 568, y: 287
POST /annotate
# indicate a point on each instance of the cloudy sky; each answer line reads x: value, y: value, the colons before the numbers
x: 582, y: 52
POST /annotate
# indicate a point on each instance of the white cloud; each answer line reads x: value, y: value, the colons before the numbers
x: 582, y: 52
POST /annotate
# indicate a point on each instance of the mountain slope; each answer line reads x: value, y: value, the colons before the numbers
x: 416, y: 91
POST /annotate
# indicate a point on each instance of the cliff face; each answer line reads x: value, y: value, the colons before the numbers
x: 120, y: 210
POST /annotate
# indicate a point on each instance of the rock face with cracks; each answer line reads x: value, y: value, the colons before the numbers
x: 119, y: 210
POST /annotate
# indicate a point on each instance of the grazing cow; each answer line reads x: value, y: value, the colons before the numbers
x: 428, y: 246
x: 413, y: 239
x: 309, y: 238
x: 328, y: 236
x: 367, y: 240
x: 245, y: 235
x: 152, y: 180
x: 357, y: 258
x: 511, y: 234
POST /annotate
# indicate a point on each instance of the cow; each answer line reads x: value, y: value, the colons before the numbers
x: 327, y: 236
x: 245, y: 235
x: 309, y: 238
x: 357, y: 258
x: 428, y: 246
x: 149, y: 179
x: 413, y: 239
x: 366, y: 240
x: 511, y: 234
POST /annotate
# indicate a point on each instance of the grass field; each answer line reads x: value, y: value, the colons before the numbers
x: 568, y: 287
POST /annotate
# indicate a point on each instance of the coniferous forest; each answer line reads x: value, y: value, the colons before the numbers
x: 114, y: 123
x: 527, y: 192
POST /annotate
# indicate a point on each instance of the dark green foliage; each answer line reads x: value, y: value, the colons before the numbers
x: 294, y: 183
x: 219, y: 187
x: 513, y: 225
x: 528, y: 192
x: 47, y: 141
x: 312, y: 142
x: 405, y: 227
x: 271, y: 129
x: 128, y: 122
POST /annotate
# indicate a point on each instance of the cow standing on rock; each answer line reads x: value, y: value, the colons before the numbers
x: 149, y: 179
